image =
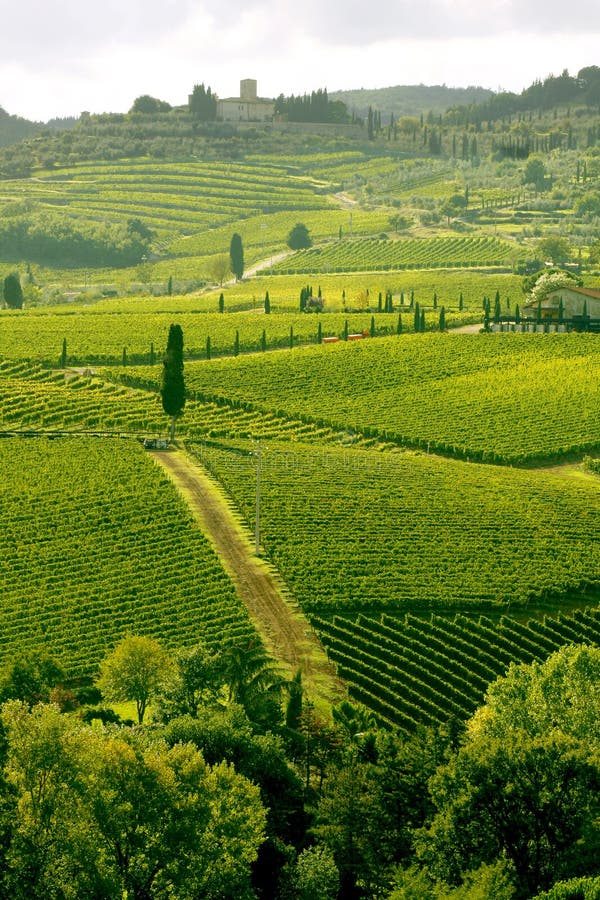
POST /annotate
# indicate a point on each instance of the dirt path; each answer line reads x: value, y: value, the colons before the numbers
x: 285, y: 631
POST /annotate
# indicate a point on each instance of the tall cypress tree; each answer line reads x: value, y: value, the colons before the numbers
x: 172, y: 387
x: 13, y: 292
x: 236, y: 256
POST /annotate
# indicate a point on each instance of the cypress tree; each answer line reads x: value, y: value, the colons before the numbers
x: 346, y: 330
x: 63, y: 355
x: 152, y: 354
x: 221, y: 302
x: 303, y: 299
x: 236, y: 344
x: 417, y: 318
x: 434, y: 300
x: 293, y: 710
x: 172, y: 387
x: 401, y: 298
x: 399, y: 326
x: 380, y: 302
x: 517, y: 314
x: 412, y: 299
x: 422, y: 322
x: 236, y: 256
x: 13, y: 292
x: 319, y: 333
x: 263, y: 341
x: 208, y: 346
x: 373, y: 332
x: 460, y: 302
x: 267, y: 303
x: 442, y: 319
x: 291, y: 337
x: 497, y: 310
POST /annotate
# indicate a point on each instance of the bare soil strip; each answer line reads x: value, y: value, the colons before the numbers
x: 286, y: 632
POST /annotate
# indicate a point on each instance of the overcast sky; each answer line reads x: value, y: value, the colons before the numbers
x: 60, y: 57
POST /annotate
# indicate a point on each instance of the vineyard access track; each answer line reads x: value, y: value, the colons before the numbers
x: 285, y: 631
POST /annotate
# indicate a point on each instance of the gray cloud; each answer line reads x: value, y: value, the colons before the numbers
x: 358, y: 23
x: 53, y: 32
x: 60, y: 28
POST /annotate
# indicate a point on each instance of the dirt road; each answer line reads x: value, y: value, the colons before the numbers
x: 284, y: 629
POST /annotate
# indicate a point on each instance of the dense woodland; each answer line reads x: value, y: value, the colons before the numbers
x: 241, y: 789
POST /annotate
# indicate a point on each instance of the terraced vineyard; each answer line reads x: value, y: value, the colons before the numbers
x: 169, y: 197
x: 366, y: 255
x: 97, y: 544
x: 357, y: 530
x: 507, y: 398
x: 427, y: 670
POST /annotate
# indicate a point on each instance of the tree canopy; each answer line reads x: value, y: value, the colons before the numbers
x: 299, y: 237
x: 136, y: 670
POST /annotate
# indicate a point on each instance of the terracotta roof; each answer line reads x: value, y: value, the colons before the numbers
x: 587, y: 292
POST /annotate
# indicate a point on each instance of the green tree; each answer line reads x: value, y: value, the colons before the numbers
x: 555, y: 248
x: 203, y: 103
x: 13, y: 292
x: 267, y: 303
x: 121, y: 814
x: 236, y: 256
x: 31, y: 678
x: 253, y: 681
x: 315, y: 875
x: 221, y: 302
x: 172, y: 387
x: 299, y: 237
x: 453, y: 206
x: 293, y: 709
x: 525, y: 783
x: 149, y: 105
x: 236, y: 343
x: 399, y: 222
x: 136, y: 670
x: 535, y: 173
x: 220, y: 266
x: 63, y: 355
x: 531, y: 800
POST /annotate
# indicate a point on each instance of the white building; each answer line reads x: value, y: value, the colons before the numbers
x: 248, y: 107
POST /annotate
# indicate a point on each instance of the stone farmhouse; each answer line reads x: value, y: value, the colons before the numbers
x: 248, y: 107
x: 576, y: 302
